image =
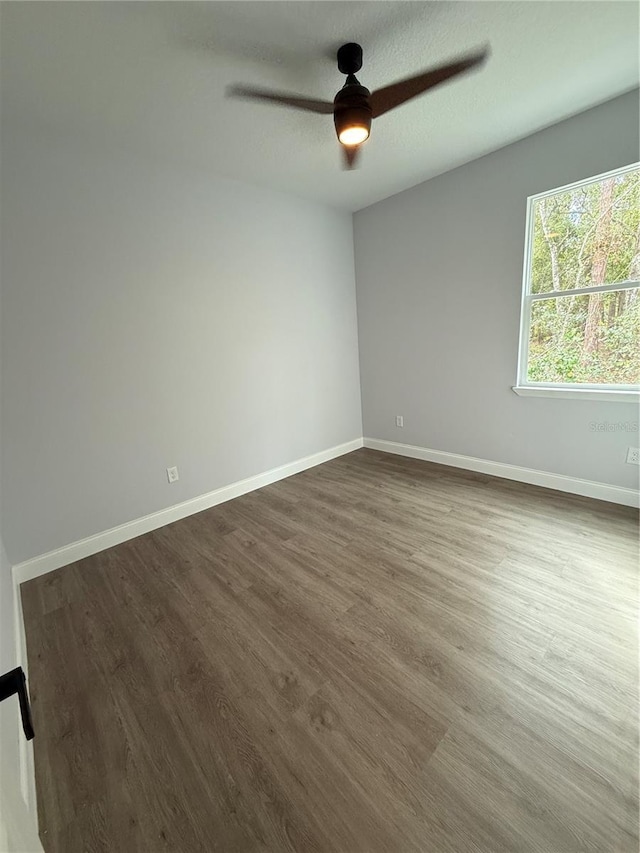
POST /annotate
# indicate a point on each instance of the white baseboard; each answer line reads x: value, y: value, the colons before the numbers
x: 52, y: 560
x: 559, y: 482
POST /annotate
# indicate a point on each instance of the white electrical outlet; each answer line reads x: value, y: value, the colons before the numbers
x: 172, y: 475
x: 399, y: 421
x: 633, y: 455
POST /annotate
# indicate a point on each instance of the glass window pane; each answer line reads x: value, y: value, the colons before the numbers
x: 587, y: 236
x: 592, y: 339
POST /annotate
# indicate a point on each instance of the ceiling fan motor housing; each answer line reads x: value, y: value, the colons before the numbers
x: 350, y: 58
x: 352, y: 108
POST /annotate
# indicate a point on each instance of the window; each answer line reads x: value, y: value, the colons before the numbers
x: 580, y: 321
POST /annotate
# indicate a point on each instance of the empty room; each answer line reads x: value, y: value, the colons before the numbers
x: 319, y: 405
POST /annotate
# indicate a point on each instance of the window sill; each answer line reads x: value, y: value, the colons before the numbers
x: 578, y: 393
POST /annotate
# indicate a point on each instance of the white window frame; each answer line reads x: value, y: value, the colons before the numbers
x: 572, y: 391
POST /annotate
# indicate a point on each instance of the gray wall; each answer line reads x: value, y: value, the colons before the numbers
x: 153, y: 317
x: 439, y: 277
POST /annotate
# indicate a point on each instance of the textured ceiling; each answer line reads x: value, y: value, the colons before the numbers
x: 151, y: 77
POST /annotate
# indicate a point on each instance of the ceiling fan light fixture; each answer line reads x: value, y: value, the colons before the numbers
x: 353, y: 124
x: 353, y: 135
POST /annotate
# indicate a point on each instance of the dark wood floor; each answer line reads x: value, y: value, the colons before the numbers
x: 374, y: 655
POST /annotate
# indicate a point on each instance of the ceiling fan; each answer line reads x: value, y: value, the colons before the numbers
x: 355, y: 106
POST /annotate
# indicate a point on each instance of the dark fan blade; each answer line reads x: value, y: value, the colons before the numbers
x: 282, y: 98
x: 350, y: 153
x: 392, y: 96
